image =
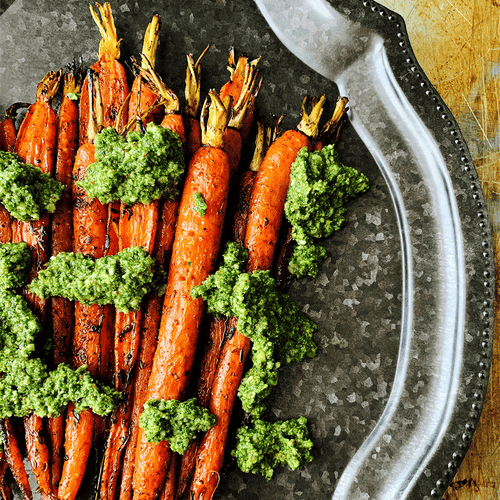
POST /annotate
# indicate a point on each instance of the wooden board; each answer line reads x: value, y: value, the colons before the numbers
x: 457, y: 42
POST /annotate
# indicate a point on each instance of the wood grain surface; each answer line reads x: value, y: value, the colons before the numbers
x: 457, y: 43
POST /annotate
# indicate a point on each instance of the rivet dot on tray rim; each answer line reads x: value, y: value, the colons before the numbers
x: 452, y: 466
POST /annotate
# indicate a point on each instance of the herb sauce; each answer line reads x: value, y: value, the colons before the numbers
x: 320, y: 185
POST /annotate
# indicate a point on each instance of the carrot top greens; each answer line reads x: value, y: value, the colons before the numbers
x: 140, y: 168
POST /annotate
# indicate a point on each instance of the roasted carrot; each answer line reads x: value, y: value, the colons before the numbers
x: 5, y: 490
x: 12, y: 454
x: 194, y: 253
x: 89, y: 225
x: 170, y: 485
x: 61, y: 309
x: 147, y: 345
x: 136, y: 227
x: 14, y: 457
x: 222, y: 328
x: 36, y: 144
x: 330, y: 133
x: 238, y: 74
x: 233, y: 140
x: 77, y: 425
x: 7, y: 141
x: 8, y: 126
x: 192, y: 95
x: 143, y: 99
x: 264, y: 220
x: 38, y: 453
x: 111, y: 75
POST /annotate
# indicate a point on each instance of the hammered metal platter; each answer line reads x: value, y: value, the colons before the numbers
x: 404, y: 301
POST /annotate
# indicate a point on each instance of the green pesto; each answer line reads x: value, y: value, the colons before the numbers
x: 26, y: 385
x: 320, y: 185
x: 199, y: 204
x: 14, y: 261
x: 25, y: 191
x: 263, y: 446
x: 175, y: 421
x: 122, y: 279
x: 280, y: 332
x: 140, y: 168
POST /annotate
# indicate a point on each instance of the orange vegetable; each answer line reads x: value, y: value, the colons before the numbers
x: 78, y: 439
x: 61, y: 309
x: 112, y: 77
x: 91, y: 322
x: 147, y: 345
x: 14, y: 457
x: 144, y: 101
x: 194, y: 254
x: 238, y: 75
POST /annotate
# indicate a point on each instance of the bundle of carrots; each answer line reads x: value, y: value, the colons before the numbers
x: 150, y: 353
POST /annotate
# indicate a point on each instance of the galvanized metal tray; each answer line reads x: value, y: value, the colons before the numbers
x: 404, y: 301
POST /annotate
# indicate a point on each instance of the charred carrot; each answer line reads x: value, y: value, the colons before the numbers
x: 62, y: 310
x: 148, y: 339
x: 194, y: 253
x: 89, y: 226
x: 14, y: 457
x: 170, y: 486
x: 36, y: 144
x: 238, y: 74
x: 136, y: 227
x: 264, y: 220
x: 8, y: 127
x: 38, y: 453
x: 78, y: 439
x: 330, y: 133
x: 111, y: 75
x: 5, y: 490
x: 233, y: 140
x: 144, y: 99
x: 7, y: 141
x: 192, y: 95
x: 222, y: 328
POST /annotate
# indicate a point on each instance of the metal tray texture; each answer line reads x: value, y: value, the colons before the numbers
x: 404, y: 301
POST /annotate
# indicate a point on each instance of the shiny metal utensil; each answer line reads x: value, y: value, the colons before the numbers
x: 357, y: 46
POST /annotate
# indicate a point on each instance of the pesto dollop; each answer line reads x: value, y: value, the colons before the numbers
x: 122, y: 279
x: 262, y: 446
x: 140, y: 168
x: 199, y: 204
x: 280, y: 332
x: 26, y: 385
x: 14, y: 261
x: 25, y: 191
x: 175, y: 421
x: 320, y: 185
